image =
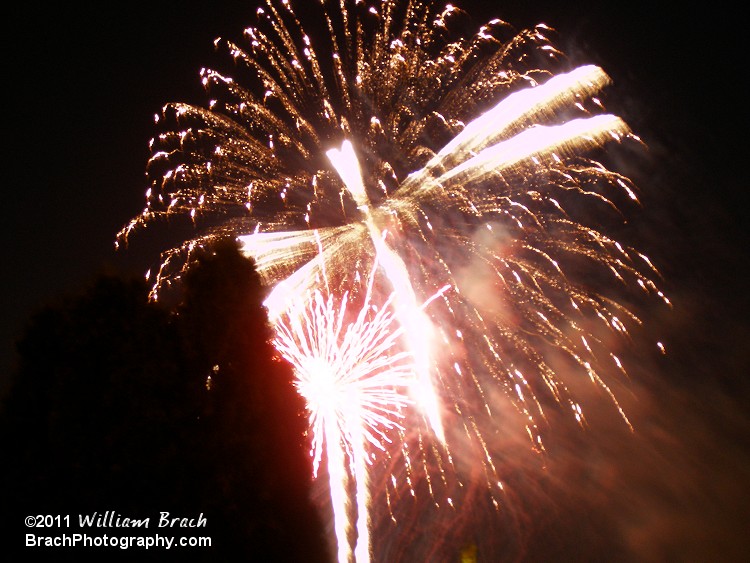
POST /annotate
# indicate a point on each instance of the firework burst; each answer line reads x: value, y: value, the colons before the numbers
x: 355, y: 387
x: 451, y: 162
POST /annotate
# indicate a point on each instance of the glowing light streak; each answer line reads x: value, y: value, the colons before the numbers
x: 515, y: 112
x: 417, y: 326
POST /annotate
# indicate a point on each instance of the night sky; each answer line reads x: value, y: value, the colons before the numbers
x: 84, y: 84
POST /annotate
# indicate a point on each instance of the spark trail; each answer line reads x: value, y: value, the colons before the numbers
x: 475, y: 173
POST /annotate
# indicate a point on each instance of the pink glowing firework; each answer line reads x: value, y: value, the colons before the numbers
x: 356, y: 383
x: 450, y: 162
x: 355, y: 387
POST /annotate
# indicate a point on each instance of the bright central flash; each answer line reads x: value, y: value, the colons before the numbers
x: 321, y: 387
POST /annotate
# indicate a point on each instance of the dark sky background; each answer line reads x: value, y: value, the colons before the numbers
x: 82, y: 84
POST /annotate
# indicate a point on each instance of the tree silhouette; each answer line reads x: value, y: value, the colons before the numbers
x: 121, y: 405
x: 252, y: 423
x: 98, y: 403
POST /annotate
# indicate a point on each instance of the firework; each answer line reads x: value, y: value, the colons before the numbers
x: 460, y: 163
x: 354, y: 386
